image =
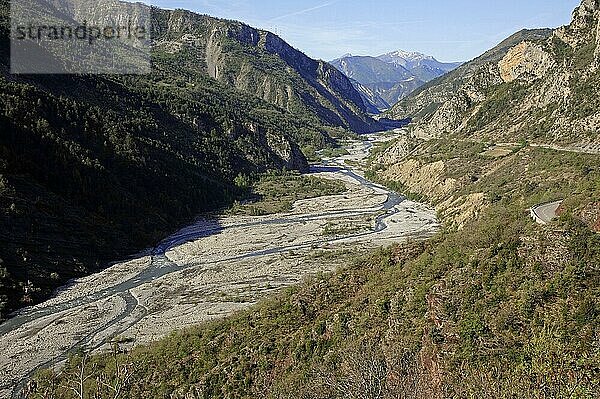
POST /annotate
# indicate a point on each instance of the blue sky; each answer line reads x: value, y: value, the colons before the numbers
x: 450, y: 30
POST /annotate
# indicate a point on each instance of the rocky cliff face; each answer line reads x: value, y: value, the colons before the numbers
x: 540, y: 86
x: 584, y: 30
x: 247, y: 59
x: 583, y: 27
x: 382, y: 83
x: 449, y: 116
x: 537, y: 85
x: 526, y: 61
x: 424, y: 102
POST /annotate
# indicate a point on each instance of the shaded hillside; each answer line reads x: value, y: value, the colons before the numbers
x: 93, y: 168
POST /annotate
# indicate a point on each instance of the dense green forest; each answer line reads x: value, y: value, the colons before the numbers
x: 95, y: 168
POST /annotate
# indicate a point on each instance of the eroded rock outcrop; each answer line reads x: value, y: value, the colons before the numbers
x: 458, y: 211
x: 430, y: 180
x: 426, y: 179
x: 400, y: 149
x: 450, y: 115
x: 289, y: 152
x: 262, y: 64
x: 526, y: 61
x: 583, y: 25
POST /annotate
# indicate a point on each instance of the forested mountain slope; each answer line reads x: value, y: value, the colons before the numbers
x: 261, y: 63
x: 93, y: 168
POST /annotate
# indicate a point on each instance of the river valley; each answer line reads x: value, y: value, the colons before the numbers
x: 212, y: 269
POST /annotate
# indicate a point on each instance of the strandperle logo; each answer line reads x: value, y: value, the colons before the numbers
x: 83, y: 32
x: 80, y: 37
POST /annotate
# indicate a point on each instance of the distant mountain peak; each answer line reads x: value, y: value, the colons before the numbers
x: 385, y: 80
x: 407, y: 55
x: 425, y: 67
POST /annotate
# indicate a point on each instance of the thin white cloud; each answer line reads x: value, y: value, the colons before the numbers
x: 304, y: 11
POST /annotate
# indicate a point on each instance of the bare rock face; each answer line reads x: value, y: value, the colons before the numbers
x: 459, y: 211
x: 422, y: 178
x: 539, y: 84
x: 264, y: 65
x: 430, y: 179
x: 526, y: 61
x: 214, y: 56
x: 557, y: 86
x: 450, y: 115
x: 447, y: 117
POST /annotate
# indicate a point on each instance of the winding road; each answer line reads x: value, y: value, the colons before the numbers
x: 545, y: 213
x: 91, y: 318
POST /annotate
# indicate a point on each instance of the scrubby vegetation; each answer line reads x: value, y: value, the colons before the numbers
x: 503, y: 308
x: 276, y: 192
x: 334, y: 152
x: 498, y: 100
x: 445, y: 319
x: 498, y: 307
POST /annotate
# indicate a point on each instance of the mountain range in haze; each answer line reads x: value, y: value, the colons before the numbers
x: 388, y: 78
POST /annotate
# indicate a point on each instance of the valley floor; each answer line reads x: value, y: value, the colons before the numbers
x: 211, y: 270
